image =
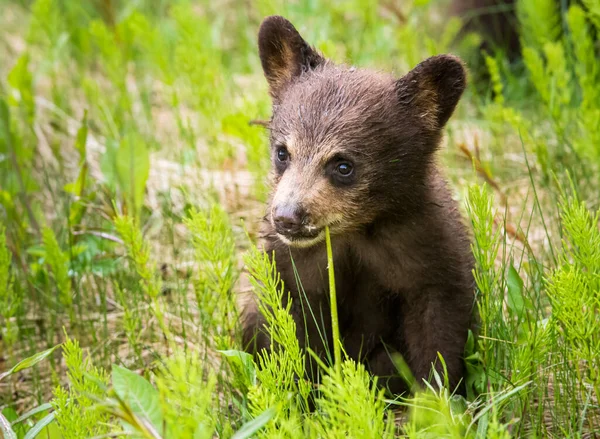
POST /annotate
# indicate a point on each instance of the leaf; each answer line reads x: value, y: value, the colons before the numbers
x: 251, y: 427
x: 458, y: 404
x: 132, y: 163
x: 34, y: 411
x: 515, y: 291
x: 77, y: 187
x: 501, y: 397
x: 81, y: 138
x: 107, y: 163
x: 203, y: 431
x: 51, y: 431
x: 126, y: 167
x: 242, y: 366
x: 482, y: 427
x: 470, y: 344
x: 29, y: 362
x: 6, y: 429
x: 10, y: 414
x: 139, y: 394
x: 4, y: 122
x: 37, y: 428
x: 20, y: 78
x: 475, y: 378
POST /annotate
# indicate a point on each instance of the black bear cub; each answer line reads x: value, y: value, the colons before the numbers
x: 353, y: 149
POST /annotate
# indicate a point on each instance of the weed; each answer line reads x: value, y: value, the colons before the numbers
x: 128, y: 160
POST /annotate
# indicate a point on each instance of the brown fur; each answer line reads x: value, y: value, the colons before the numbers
x: 401, y: 252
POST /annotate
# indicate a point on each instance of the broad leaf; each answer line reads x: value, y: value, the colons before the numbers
x: 249, y: 428
x: 242, y: 366
x: 138, y: 394
x: 515, y: 291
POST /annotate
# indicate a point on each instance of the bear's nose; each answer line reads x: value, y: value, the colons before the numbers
x: 288, y: 219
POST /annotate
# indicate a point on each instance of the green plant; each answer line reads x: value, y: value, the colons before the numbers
x: 12, y: 425
x: 128, y: 160
x: 75, y: 411
x: 9, y: 300
x: 574, y: 290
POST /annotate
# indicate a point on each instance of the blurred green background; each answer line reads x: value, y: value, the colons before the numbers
x: 133, y: 175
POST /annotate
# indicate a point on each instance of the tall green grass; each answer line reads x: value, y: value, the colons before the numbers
x: 131, y: 184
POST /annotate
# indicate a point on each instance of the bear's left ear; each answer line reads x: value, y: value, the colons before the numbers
x: 284, y: 54
x: 434, y: 87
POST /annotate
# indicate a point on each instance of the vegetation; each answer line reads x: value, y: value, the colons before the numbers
x: 131, y: 182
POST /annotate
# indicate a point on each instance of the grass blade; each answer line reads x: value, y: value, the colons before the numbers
x: 30, y: 413
x: 337, y: 350
x: 37, y: 428
x: 6, y: 429
x: 28, y: 362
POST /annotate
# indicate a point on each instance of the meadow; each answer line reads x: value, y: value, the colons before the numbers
x: 133, y: 172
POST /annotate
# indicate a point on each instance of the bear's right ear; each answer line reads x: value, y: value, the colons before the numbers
x: 284, y: 55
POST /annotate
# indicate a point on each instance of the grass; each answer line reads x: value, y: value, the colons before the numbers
x: 131, y: 184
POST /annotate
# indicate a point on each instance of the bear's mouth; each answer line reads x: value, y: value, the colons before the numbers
x: 306, y: 237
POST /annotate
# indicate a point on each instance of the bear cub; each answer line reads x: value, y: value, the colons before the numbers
x: 353, y: 149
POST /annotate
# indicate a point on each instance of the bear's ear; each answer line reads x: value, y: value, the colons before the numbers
x: 283, y: 53
x: 433, y: 88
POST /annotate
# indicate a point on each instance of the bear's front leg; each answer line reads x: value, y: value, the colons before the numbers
x: 254, y: 333
x: 437, y: 321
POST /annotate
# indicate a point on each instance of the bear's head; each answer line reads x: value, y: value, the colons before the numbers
x: 348, y: 145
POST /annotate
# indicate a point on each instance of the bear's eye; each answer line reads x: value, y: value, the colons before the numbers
x: 341, y: 171
x: 344, y: 169
x: 282, y: 154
